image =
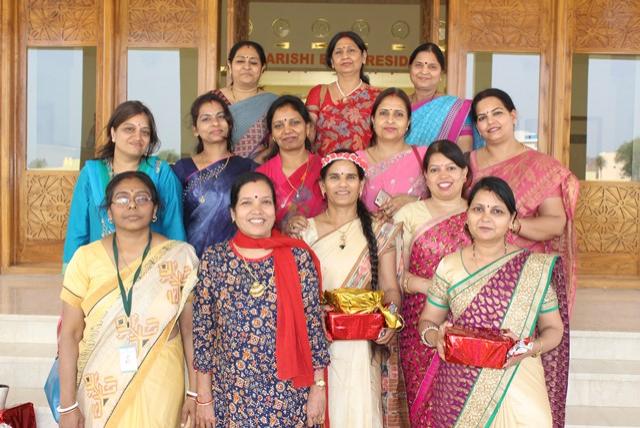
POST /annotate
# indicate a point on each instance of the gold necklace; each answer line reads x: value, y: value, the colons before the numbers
x: 343, y: 235
x: 250, y: 91
x: 475, y: 257
x: 257, y: 288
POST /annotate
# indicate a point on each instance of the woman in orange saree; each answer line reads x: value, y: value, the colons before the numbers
x: 546, y: 191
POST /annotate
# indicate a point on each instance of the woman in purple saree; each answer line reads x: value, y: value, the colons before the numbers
x: 207, y: 176
x: 493, y: 284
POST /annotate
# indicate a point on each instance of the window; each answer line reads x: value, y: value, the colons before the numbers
x: 605, y: 117
x: 516, y: 74
x: 166, y: 81
x: 61, y: 107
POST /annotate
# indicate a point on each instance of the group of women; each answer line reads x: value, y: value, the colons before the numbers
x: 360, y: 188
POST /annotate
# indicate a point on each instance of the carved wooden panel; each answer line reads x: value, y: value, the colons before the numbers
x: 48, y: 197
x: 606, y: 25
x: 608, y: 228
x: 62, y: 21
x: 502, y: 24
x: 163, y: 21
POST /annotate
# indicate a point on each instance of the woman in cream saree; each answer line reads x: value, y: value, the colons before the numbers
x: 128, y: 369
x: 362, y: 379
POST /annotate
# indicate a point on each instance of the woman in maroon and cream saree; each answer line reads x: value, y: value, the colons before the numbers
x: 493, y: 284
x: 432, y: 228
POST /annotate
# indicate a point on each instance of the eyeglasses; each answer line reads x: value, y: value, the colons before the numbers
x: 124, y: 200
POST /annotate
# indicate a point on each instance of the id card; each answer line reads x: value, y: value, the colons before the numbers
x: 128, y: 359
x: 381, y: 198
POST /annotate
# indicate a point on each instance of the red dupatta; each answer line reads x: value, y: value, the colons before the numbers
x: 293, y: 352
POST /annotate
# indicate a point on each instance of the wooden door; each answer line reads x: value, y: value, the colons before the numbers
x: 34, y: 198
x: 608, y: 214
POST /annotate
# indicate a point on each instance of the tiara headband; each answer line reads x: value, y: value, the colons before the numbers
x: 351, y: 157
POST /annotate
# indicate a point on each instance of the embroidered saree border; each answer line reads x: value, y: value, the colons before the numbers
x: 491, y: 385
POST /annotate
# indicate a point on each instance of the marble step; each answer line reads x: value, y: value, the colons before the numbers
x: 605, y: 345
x: 27, y: 329
x: 604, y: 383
x: 601, y: 417
x: 25, y: 365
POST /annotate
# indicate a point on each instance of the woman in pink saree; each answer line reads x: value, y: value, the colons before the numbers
x: 546, y: 191
x: 293, y: 169
x: 432, y: 229
x: 394, y: 172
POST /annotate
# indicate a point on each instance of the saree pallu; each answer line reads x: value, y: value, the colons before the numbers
x: 399, y: 175
x: 534, y: 177
x: 446, y: 117
x: 510, y: 293
x: 434, y: 240
x: 206, y: 199
x: 88, y: 220
x: 343, y: 124
x: 250, y: 134
x: 365, y: 386
x: 298, y: 194
x: 152, y: 395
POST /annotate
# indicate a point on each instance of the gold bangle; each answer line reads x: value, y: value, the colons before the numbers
x: 423, y: 335
x: 405, y: 283
x: 204, y: 404
x: 537, y: 354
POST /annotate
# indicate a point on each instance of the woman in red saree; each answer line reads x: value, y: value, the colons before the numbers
x: 494, y: 284
x: 546, y: 191
x: 432, y: 228
x: 341, y: 110
x: 292, y: 168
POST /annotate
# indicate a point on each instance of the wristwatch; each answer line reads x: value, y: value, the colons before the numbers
x: 320, y: 383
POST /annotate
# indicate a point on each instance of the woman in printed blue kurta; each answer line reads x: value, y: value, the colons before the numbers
x: 131, y: 138
x: 260, y: 349
x: 235, y: 335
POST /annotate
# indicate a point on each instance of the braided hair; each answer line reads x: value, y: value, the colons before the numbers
x: 365, y: 221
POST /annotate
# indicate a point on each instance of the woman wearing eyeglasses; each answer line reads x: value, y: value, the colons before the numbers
x: 126, y: 330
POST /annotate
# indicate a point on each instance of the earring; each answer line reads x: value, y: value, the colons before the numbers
x: 155, y: 218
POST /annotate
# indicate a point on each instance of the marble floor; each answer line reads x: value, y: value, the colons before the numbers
x: 595, y: 309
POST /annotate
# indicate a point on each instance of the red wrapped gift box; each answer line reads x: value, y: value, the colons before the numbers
x: 476, y: 347
x: 354, y: 326
x: 22, y: 416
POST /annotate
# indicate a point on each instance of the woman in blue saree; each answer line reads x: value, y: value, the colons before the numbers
x: 247, y: 101
x: 208, y: 175
x: 437, y: 116
x: 131, y: 137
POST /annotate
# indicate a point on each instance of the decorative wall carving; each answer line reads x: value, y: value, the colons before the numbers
x: 607, y: 24
x: 608, y: 221
x: 48, y: 198
x: 500, y: 24
x: 62, y: 21
x: 163, y: 21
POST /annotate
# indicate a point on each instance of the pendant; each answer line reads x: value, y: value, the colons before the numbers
x: 202, y: 200
x: 256, y: 289
x: 342, y: 246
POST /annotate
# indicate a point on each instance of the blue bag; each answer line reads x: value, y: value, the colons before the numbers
x: 52, y: 389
